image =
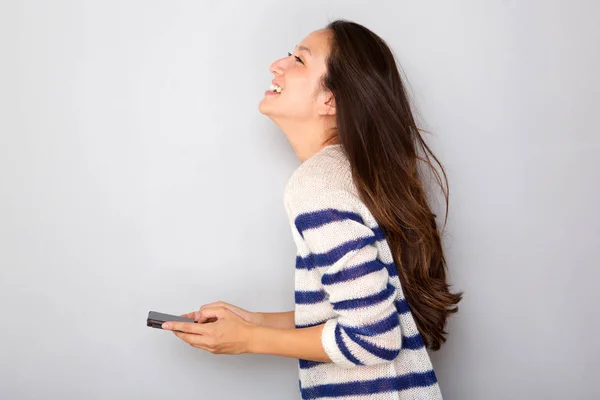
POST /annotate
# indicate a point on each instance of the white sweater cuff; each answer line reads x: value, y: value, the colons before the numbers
x: 330, y: 345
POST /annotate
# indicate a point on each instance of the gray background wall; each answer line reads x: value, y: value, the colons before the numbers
x: 136, y: 173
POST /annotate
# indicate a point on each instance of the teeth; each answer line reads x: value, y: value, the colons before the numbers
x: 275, y: 88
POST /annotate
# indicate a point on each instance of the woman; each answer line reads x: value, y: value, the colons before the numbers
x: 371, y: 291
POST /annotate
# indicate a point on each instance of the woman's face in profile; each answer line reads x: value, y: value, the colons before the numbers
x: 297, y: 80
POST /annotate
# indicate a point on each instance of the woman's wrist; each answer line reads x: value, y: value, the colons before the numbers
x: 257, y: 318
x: 254, y: 339
x: 302, y: 343
x: 283, y: 320
x: 262, y: 339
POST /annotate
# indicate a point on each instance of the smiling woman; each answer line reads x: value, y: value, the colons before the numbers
x: 371, y: 292
x: 298, y: 78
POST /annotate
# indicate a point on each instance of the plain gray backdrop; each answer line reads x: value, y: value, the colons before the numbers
x: 137, y: 174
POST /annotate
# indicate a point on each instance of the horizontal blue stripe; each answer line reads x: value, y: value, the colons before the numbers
x: 379, y: 236
x: 352, y: 273
x: 301, y: 263
x: 306, y: 364
x: 383, y: 353
x: 381, y: 385
x: 339, y: 340
x: 310, y: 297
x: 376, y: 328
x: 385, y: 294
x: 402, y: 306
x: 378, y: 233
x: 412, y: 342
x: 408, y: 342
x: 319, y: 218
x: 391, y: 267
x: 331, y: 257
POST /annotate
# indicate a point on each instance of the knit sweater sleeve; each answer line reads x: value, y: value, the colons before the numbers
x: 342, y: 247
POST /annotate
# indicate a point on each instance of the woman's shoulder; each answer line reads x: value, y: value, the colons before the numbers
x: 323, y: 180
x: 327, y: 169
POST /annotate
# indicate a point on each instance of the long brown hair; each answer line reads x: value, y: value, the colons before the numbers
x: 378, y: 132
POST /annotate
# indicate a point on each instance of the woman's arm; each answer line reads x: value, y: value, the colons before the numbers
x: 231, y: 334
x: 303, y: 343
x: 355, y: 281
x: 281, y: 320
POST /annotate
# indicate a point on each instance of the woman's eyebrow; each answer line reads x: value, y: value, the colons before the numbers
x: 303, y: 48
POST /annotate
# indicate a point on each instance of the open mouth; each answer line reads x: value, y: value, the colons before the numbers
x: 275, y: 89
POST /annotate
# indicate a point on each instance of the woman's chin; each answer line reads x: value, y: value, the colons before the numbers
x: 265, y: 108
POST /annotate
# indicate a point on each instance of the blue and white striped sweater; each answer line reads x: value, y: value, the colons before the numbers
x: 346, y: 278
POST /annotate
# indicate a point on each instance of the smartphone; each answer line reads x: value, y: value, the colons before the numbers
x: 156, y: 319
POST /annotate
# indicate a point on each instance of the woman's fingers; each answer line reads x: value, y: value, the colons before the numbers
x: 240, y: 312
x: 201, y: 318
x: 197, y: 316
x: 199, y: 341
x: 218, y: 304
x: 229, y: 335
x: 186, y: 327
x: 206, y: 312
x: 212, y: 314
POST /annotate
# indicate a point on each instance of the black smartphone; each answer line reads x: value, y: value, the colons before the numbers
x: 156, y: 319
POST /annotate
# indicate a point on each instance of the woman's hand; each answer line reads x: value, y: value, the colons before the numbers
x: 201, y: 316
x: 228, y: 334
x: 232, y: 334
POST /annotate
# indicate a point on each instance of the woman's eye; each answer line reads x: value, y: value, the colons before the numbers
x: 296, y: 57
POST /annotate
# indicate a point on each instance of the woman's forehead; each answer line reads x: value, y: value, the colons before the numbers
x: 316, y: 44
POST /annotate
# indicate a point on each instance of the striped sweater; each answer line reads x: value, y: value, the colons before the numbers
x: 346, y: 278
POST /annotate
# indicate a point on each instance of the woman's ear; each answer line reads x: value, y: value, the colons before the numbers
x: 326, y: 104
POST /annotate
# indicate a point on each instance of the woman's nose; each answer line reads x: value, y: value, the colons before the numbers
x: 278, y: 67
